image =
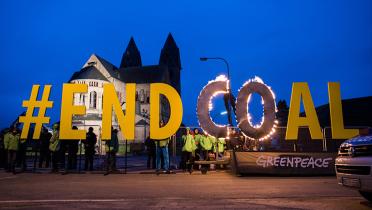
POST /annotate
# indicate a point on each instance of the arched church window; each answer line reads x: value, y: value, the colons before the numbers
x: 93, y: 100
x: 142, y: 96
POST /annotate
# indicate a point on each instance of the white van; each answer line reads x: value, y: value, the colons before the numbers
x: 354, y: 164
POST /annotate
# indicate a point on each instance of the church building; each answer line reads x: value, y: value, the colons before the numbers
x: 97, y: 71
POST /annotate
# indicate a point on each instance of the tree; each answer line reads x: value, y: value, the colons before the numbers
x: 282, y: 114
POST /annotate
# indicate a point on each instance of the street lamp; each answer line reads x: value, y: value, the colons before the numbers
x: 218, y: 58
x: 229, y: 86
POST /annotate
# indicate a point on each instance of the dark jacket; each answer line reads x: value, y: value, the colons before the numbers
x: 150, y: 145
x: 90, y: 142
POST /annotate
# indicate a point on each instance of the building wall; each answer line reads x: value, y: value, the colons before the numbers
x: 141, y: 131
x: 142, y: 102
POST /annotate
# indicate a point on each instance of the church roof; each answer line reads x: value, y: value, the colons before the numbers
x: 131, y: 69
x: 111, y: 68
x: 170, y: 54
x: 89, y: 72
x: 144, y: 74
x: 131, y: 56
x: 170, y: 43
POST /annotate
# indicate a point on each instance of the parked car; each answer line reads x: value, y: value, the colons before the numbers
x: 354, y: 164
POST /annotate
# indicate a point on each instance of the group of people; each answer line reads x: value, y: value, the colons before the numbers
x: 195, y: 146
x: 54, y: 149
x: 50, y: 149
x: 200, y: 146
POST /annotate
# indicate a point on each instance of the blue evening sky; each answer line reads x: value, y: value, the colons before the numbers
x: 44, y: 42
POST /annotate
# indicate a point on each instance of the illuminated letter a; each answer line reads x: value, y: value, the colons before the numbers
x: 301, y: 89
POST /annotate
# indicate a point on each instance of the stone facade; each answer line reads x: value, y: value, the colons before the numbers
x: 97, y: 71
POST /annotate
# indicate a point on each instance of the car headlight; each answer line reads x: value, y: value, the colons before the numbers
x: 351, y: 151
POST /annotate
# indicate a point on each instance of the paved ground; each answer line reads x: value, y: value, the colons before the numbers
x: 216, y: 190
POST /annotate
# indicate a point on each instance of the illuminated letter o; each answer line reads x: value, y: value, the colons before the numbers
x: 242, y: 110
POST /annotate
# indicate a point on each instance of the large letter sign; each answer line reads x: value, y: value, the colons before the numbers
x: 175, y: 118
x: 335, y: 108
x: 267, y: 126
x: 68, y: 109
x: 212, y: 89
x: 220, y: 86
x: 111, y: 103
x: 126, y: 120
x: 300, y: 90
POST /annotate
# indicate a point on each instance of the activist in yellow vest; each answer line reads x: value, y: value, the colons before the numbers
x: 197, y: 137
x: 220, y: 143
x: 11, y: 141
x: 206, y: 143
x: 55, y: 143
x: 188, y: 143
x: 163, y: 143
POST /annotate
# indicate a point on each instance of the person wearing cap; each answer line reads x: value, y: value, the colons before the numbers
x: 162, y: 150
x: 188, y: 150
x: 54, y: 147
x: 11, y: 145
x: 90, y: 149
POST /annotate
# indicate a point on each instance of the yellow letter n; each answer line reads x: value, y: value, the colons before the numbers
x: 112, y: 103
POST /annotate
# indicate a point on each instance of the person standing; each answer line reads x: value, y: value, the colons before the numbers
x: 220, y: 144
x: 90, y: 149
x: 11, y: 144
x: 21, y: 156
x: 162, y: 150
x: 55, y: 147
x: 206, y: 146
x: 3, y: 159
x: 188, y: 150
x: 72, y: 147
x: 44, y: 148
x: 151, y: 153
x: 111, y: 148
x: 198, y: 138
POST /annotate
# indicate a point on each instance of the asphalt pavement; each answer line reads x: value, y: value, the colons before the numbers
x: 216, y: 190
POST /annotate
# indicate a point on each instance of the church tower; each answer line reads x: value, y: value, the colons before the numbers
x: 131, y: 56
x: 170, y: 56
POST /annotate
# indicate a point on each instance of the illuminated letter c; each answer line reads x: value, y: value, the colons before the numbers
x: 213, y: 88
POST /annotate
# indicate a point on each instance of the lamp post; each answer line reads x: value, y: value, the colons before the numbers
x: 229, y: 86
